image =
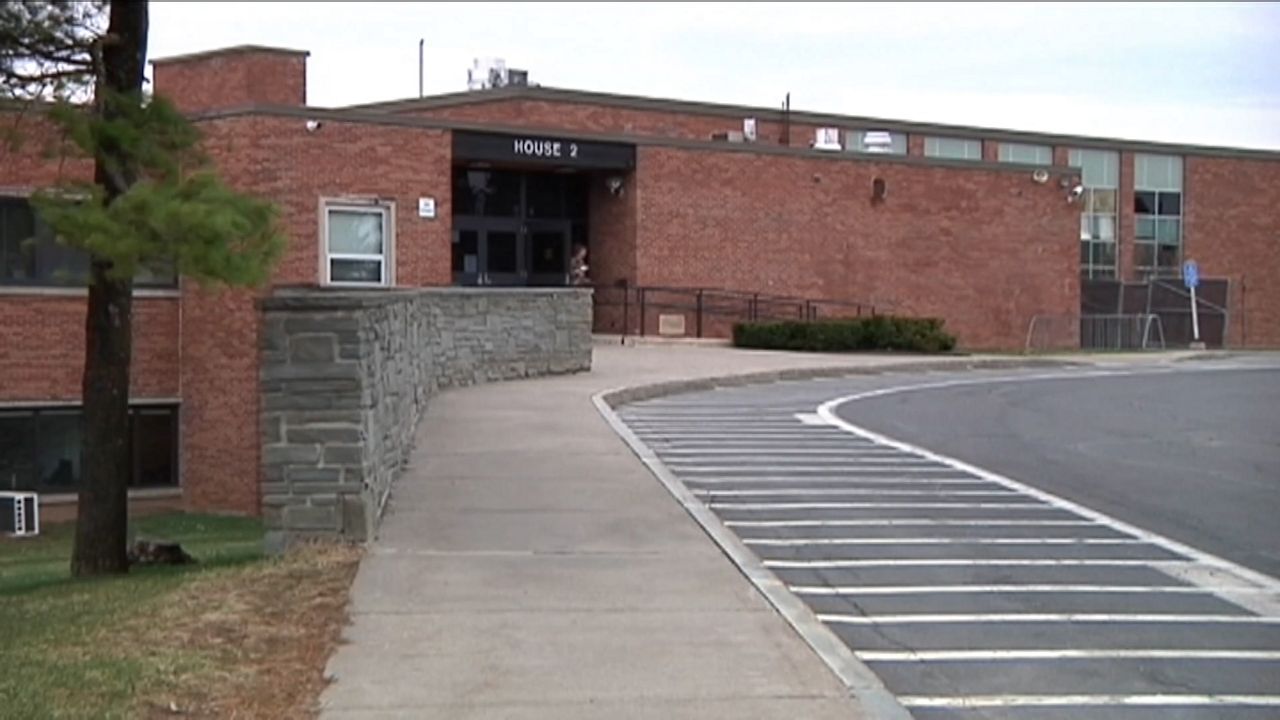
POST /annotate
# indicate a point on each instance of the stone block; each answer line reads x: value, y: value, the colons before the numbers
x: 311, y: 517
x: 313, y: 348
x: 357, y: 516
x: 343, y: 455
x: 322, y: 435
x: 291, y: 454
x: 312, y: 475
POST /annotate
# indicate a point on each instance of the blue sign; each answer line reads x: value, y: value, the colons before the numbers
x: 1190, y: 274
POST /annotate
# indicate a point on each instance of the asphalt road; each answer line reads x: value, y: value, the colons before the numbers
x: 1191, y: 455
x: 1001, y: 545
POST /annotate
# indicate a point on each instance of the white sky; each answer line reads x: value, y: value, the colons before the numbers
x: 1195, y: 73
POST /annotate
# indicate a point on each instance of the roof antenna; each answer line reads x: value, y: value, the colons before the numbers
x: 420, y: 44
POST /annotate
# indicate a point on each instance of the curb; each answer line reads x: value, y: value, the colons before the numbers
x: 863, y: 684
x: 638, y: 393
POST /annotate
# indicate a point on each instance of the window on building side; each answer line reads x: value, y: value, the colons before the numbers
x: 1026, y: 154
x: 358, y: 244
x: 40, y: 449
x: 1099, y: 173
x: 953, y: 148
x: 881, y: 142
x: 1157, y: 207
x: 30, y: 255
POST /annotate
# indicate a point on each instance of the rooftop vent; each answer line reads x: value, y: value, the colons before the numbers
x: 486, y: 73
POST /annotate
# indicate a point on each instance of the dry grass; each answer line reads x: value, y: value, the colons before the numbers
x: 261, y: 634
x: 235, y: 636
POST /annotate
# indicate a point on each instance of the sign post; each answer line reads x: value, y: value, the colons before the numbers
x: 1191, y: 278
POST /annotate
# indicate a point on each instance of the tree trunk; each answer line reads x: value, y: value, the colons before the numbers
x: 103, y: 515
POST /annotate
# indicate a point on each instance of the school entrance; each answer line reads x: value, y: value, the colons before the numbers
x: 520, y: 205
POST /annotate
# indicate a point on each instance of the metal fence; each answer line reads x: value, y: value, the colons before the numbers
x: 1139, y: 331
x: 707, y: 312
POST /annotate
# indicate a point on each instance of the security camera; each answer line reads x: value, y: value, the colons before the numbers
x: 314, y: 125
x: 615, y: 185
x: 1076, y: 192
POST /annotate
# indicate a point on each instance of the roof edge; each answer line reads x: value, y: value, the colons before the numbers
x: 233, y: 50
x: 641, y: 102
x: 658, y: 141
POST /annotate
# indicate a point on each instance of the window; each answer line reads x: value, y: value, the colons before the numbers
x: 358, y: 242
x: 1157, y: 207
x: 30, y: 255
x: 40, y: 449
x: 1099, y: 173
x: 953, y: 148
x: 881, y: 142
x: 1026, y: 154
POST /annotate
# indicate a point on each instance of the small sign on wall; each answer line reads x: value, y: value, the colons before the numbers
x: 426, y: 207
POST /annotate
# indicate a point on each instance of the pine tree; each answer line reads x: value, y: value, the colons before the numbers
x: 154, y: 204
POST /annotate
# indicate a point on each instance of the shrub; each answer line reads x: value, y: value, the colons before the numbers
x: 881, y: 332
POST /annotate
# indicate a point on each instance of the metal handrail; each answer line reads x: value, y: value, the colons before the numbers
x: 706, y: 302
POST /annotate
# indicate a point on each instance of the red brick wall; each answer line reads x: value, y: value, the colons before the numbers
x: 612, y: 249
x: 984, y: 249
x: 233, y: 79
x: 42, y: 348
x: 278, y: 159
x: 583, y: 117
x: 1232, y: 229
x: 39, y: 158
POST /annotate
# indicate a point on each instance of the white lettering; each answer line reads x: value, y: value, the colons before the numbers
x: 573, y: 150
x: 542, y: 148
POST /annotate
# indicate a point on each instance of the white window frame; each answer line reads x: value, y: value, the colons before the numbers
x: 932, y: 142
x: 386, y: 260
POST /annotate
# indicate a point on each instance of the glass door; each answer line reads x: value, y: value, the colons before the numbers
x: 547, y: 243
x: 502, y: 257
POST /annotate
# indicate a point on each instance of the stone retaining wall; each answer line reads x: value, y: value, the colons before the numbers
x: 345, y: 377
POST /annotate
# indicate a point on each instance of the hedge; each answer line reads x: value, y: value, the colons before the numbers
x: 882, y: 332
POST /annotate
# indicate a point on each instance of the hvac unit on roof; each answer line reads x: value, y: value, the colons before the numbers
x: 826, y: 138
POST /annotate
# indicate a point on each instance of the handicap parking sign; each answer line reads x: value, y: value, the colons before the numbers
x: 1190, y: 274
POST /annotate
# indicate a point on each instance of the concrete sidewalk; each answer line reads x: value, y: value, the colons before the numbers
x: 529, y: 566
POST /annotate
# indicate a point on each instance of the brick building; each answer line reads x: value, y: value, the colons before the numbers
x: 987, y: 229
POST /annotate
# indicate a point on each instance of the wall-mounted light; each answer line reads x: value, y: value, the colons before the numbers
x: 879, y: 190
x: 615, y: 185
x: 314, y: 125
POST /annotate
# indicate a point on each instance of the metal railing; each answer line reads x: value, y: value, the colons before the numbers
x: 712, y: 309
x: 1139, y: 331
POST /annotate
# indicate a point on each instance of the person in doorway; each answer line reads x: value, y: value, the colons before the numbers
x: 578, y: 265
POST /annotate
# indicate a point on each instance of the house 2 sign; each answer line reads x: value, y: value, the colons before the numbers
x: 531, y: 149
x: 545, y: 148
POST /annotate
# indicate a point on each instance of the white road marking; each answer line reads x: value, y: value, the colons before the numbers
x: 929, y: 522
x: 802, y: 542
x: 849, y: 491
x: 955, y: 562
x: 989, y: 701
x: 879, y: 464
x: 810, y: 419
x: 993, y: 589
x: 851, y: 470
x: 1116, y: 618
x: 1247, y: 588
x: 835, y: 452
x: 887, y: 479
x: 1063, y: 654
x: 868, y: 505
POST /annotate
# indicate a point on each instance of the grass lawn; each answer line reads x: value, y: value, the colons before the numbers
x: 236, y: 635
